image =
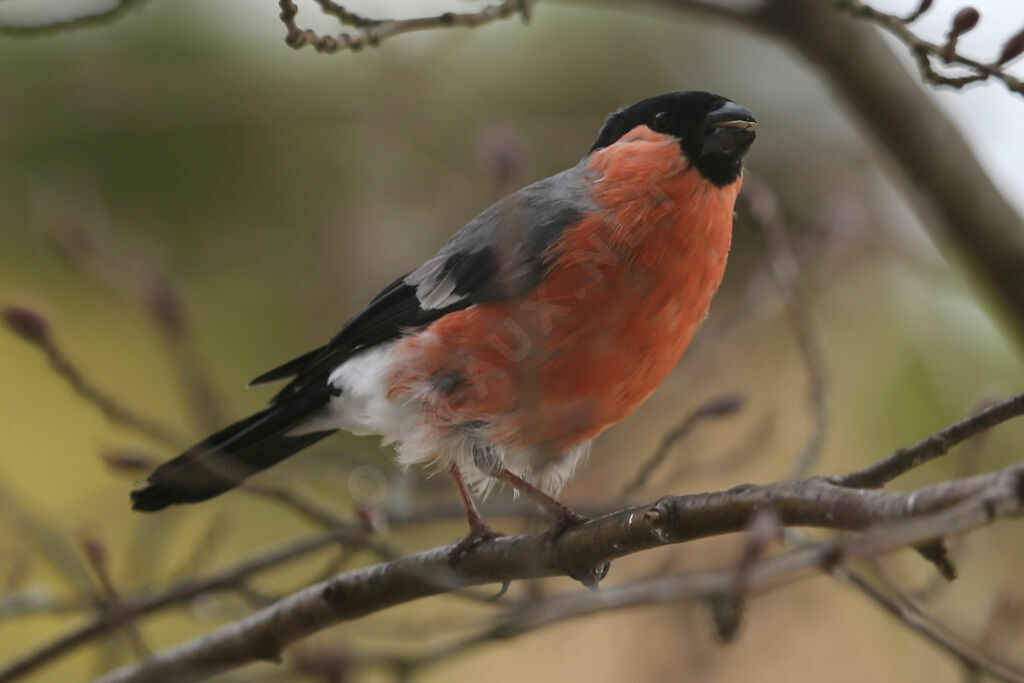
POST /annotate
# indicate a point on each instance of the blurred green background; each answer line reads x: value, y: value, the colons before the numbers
x: 278, y: 190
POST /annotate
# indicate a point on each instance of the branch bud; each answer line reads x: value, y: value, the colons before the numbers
x: 28, y: 324
x: 964, y: 21
x: 129, y: 462
x: 1013, y: 48
x: 95, y: 553
x: 163, y: 303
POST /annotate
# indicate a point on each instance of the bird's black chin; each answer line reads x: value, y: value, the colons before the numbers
x: 721, y: 154
x: 728, y: 141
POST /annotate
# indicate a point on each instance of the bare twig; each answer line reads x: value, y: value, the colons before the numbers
x: 32, y: 327
x: 727, y: 608
x: 140, y: 603
x: 909, y: 611
x: 371, y: 32
x: 924, y: 52
x: 936, y: 445
x: 110, y: 599
x: 763, y: 208
x: 132, y: 278
x: 720, y: 406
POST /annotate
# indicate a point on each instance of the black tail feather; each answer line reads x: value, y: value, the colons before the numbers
x: 289, y: 369
x: 221, y: 461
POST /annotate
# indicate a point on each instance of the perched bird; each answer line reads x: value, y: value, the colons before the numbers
x: 546, y: 319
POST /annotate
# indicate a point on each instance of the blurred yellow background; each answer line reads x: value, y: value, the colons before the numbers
x: 278, y: 190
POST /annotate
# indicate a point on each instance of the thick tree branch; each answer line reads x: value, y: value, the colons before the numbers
x: 909, y: 519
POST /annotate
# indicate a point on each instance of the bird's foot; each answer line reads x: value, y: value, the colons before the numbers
x: 478, y: 533
x: 566, y: 519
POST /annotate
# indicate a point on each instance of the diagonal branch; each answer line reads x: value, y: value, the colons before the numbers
x: 938, y: 444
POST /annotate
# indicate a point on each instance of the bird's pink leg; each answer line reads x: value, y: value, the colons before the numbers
x: 565, y: 516
x: 478, y: 529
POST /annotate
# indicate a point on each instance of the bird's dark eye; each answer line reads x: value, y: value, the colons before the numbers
x: 661, y: 119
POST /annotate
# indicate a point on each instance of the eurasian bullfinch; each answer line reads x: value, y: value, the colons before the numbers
x: 546, y: 319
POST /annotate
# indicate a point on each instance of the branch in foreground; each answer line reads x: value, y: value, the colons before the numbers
x: 901, y: 520
x: 775, y: 572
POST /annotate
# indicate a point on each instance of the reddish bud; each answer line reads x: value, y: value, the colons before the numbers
x: 1013, y: 48
x: 371, y: 517
x: 95, y: 552
x: 163, y: 303
x: 28, y: 324
x: 73, y: 240
x: 129, y: 462
x: 503, y: 150
x: 723, y: 405
x: 964, y: 21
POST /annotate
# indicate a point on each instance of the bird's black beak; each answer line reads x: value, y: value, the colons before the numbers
x: 730, y: 131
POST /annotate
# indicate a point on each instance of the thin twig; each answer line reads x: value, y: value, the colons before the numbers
x: 720, y: 406
x: 902, y: 606
x: 924, y: 51
x: 132, y: 278
x: 33, y: 328
x: 371, y: 32
x: 763, y: 208
x: 137, y: 604
x: 938, y: 444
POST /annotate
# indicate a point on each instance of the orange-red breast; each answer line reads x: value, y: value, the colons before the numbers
x: 546, y: 319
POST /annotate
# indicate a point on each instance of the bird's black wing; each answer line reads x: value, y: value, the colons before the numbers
x: 392, y: 312
x: 473, y: 267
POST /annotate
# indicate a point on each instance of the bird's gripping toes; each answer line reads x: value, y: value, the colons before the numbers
x: 546, y: 319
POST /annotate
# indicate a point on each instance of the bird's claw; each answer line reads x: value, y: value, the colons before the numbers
x: 563, y: 523
x: 477, y: 535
